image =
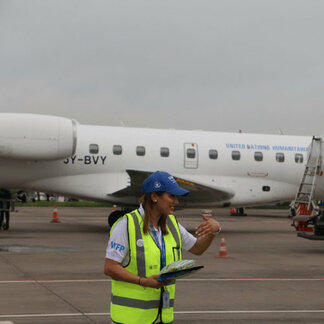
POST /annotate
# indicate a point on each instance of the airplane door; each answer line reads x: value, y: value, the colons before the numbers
x: 190, y: 156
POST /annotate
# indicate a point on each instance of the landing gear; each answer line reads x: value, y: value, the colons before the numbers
x: 238, y: 211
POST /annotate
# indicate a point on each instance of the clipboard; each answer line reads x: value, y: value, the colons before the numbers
x: 178, y: 269
x: 179, y: 273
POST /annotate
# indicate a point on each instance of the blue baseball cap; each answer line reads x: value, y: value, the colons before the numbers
x: 163, y: 181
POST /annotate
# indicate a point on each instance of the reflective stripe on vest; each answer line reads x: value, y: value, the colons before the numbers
x: 140, y: 254
x: 136, y: 303
x: 132, y: 303
x: 176, y: 236
x: 173, y: 231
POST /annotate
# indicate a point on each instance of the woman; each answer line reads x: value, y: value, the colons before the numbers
x: 141, y: 244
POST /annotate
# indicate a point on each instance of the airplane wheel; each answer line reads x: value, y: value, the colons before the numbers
x: 319, y: 225
x: 241, y: 211
x: 318, y: 231
x: 114, y: 216
x: 238, y: 212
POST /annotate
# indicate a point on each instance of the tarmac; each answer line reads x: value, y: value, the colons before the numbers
x: 53, y: 272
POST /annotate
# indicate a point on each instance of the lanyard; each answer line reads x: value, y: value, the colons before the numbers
x: 162, y: 248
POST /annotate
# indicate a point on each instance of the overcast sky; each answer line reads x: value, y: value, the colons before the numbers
x: 225, y: 65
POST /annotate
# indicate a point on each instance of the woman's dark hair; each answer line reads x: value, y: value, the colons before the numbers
x: 147, y: 202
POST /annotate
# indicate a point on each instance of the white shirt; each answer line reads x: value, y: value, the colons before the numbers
x: 118, y: 245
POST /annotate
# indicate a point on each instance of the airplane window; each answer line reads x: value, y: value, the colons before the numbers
x: 266, y: 188
x: 140, y: 150
x: 299, y: 158
x: 258, y: 156
x: 191, y: 153
x: 280, y: 157
x: 94, y: 148
x: 213, y: 154
x: 117, y: 149
x: 164, y: 151
x: 236, y: 155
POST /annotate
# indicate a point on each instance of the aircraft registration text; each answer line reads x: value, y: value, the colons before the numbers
x: 86, y: 159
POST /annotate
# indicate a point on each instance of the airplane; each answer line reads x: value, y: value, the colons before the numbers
x: 57, y: 155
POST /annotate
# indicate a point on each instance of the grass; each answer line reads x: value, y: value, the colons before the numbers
x: 108, y: 205
x: 62, y: 204
x: 270, y: 207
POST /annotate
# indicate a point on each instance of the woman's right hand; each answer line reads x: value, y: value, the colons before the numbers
x: 153, y: 283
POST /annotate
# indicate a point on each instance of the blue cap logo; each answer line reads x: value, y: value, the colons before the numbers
x: 157, y: 185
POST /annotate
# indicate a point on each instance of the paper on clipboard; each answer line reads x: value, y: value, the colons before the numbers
x: 178, y: 269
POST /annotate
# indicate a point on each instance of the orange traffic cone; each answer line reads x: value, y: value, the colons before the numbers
x: 55, y: 218
x: 222, y: 250
x: 114, y: 208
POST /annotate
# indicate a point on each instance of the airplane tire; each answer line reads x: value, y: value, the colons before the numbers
x: 319, y: 230
x: 319, y: 225
x: 239, y: 212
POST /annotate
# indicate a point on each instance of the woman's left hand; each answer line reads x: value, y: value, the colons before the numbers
x: 207, y: 227
x: 153, y: 283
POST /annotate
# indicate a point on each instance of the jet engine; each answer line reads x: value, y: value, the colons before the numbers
x: 36, y: 137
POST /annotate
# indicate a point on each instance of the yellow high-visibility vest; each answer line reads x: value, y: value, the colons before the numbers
x: 132, y: 303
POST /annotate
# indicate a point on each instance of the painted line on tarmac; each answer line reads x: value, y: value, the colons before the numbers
x: 282, y: 311
x: 52, y: 281
x: 185, y: 280
x: 253, y: 311
x: 254, y: 279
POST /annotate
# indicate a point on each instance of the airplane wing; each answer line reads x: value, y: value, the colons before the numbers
x: 125, y: 187
x: 199, y: 193
x: 88, y: 186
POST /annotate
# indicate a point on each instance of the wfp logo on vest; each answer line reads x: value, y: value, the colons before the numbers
x: 117, y: 246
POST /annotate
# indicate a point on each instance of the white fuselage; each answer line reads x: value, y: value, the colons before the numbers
x: 99, y: 175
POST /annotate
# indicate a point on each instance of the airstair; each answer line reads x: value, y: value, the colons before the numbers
x: 306, y: 213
